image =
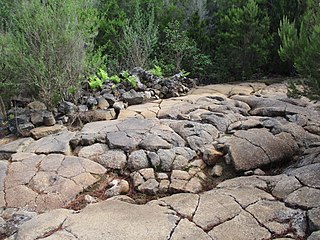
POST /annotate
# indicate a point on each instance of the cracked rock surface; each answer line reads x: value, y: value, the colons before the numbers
x: 168, y: 151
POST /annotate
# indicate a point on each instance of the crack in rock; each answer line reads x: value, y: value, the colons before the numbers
x: 52, y: 231
x: 256, y: 145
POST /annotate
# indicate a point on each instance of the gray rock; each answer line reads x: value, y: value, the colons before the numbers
x: 245, y: 195
x: 197, y: 135
x: 194, y: 185
x: 132, y: 97
x: 17, y: 146
x: 220, y: 121
x: 110, y: 98
x: 214, y: 209
x: 67, y: 108
x: 241, y: 227
x: 164, y: 186
x: 44, y: 131
x: 44, y: 182
x: 97, y: 115
x: 180, y: 163
x: 257, y: 147
x: 102, y: 103
x: 113, y: 159
x: 138, y: 160
x: 36, y: 105
x: 308, y: 175
x: 185, y: 204
x: 92, y: 152
x: 48, y: 119
x: 181, y: 175
x: 304, y: 197
x: 314, y: 236
x: 57, y: 143
x: 150, y: 186
x: 166, y: 157
x: 118, y: 106
x: 91, y: 102
x: 314, y: 219
x: 167, y: 134
x: 162, y: 176
x: 113, y: 219
x: 188, y: 153
x: 154, y: 159
x: 285, y: 186
x: 279, y: 219
x: 177, y: 185
x: 42, y: 224
x: 83, y: 108
x: 25, y: 128
x: 147, y: 173
x: 36, y: 118
x: 140, y: 126
x: 189, y: 231
x: 153, y: 142
x: 259, y: 172
x: 3, y: 172
x: 120, y: 140
x: 137, y: 179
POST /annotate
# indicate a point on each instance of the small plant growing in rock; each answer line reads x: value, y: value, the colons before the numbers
x: 184, y: 73
x: 130, y: 79
x: 156, y: 71
x: 103, y: 75
x: 115, y: 78
x: 96, y: 81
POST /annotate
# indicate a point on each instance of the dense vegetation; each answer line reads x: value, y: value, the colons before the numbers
x: 48, y: 47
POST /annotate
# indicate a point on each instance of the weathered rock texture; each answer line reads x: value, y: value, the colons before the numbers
x: 184, y: 147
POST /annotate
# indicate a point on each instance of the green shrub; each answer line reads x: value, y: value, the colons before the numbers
x: 115, y: 79
x: 156, y: 71
x: 95, y: 82
x: 243, y: 41
x: 179, y: 51
x: 302, y: 46
x: 140, y: 35
x: 128, y: 78
x: 45, y: 46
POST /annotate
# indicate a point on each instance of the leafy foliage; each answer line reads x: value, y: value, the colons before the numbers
x: 44, y: 47
x: 156, y: 71
x: 48, y: 47
x: 179, y: 50
x: 302, y: 46
x: 128, y: 78
x: 96, y: 81
x: 243, y: 41
x: 140, y: 35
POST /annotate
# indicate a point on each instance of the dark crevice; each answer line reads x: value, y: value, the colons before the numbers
x: 52, y: 231
x: 69, y: 231
x: 173, y: 229
x: 195, y: 211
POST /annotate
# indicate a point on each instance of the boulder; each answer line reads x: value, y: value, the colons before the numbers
x: 44, y: 131
x: 113, y: 159
x: 36, y: 105
x: 132, y: 97
x: 257, y: 147
x: 67, y: 108
x: 102, y: 103
x: 138, y: 160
